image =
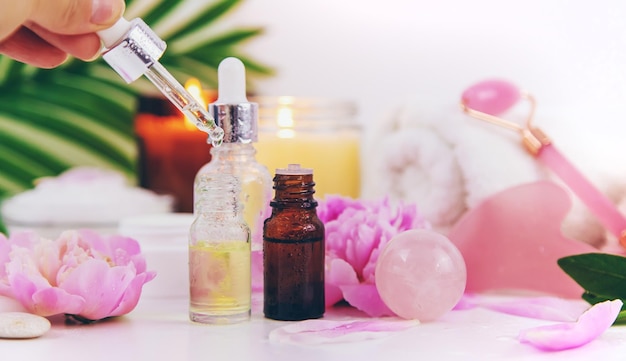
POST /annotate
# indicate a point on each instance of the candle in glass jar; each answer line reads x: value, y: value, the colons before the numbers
x: 316, y: 133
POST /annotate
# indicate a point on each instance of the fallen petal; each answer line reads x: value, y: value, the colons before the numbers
x: 315, y: 332
x: 543, y: 308
x: 563, y: 336
x: 467, y: 302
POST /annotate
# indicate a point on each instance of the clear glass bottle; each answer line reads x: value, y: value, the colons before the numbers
x: 238, y: 159
x: 293, y: 249
x: 219, y: 253
x: 239, y: 118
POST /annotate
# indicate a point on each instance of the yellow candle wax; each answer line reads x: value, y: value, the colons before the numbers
x: 316, y: 133
x: 334, y: 156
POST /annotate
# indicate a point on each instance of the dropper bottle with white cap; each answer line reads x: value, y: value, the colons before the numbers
x: 238, y: 118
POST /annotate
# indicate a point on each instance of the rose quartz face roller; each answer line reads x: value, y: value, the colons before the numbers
x: 488, y: 99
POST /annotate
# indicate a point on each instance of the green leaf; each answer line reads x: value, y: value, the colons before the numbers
x: 65, y: 149
x: 157, y: 13
x: 621, y: 318
x: 593, y: 299
x: 601, y: 275
x: 203, y: 19
x: 210, y: 43
x: 186, y: 67
x: 10, y: 70
x: 115, y: 117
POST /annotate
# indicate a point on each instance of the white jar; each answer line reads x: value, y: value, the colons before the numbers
x: 164, y: 242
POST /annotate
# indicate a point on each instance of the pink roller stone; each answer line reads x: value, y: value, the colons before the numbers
x: 420, y: 274
x: 491, y: 96
x: 494, y: 97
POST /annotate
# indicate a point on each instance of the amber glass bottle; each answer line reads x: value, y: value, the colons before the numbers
x: 293, y: 249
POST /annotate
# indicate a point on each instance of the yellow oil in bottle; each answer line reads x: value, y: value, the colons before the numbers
x: 219, y: 281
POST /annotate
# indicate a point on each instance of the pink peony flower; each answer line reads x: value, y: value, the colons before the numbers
x: 356, y: 233
x: 80, y: 274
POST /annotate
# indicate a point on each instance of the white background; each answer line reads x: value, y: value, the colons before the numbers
x: 570, y: 54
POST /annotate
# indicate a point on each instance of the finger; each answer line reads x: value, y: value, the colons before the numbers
x: 76, y: 16
x: 13, y: 14
x: 83, y: 46
x: 25, y: 46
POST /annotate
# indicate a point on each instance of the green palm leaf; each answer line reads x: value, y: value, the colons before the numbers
x: 82, y: 113
x: 201, y: 20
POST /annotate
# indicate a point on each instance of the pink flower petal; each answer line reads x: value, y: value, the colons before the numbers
x: 23, y: 290
x: 101, y: 286
x: 53, y: 301
x: 257, y: 270
x: 5, y: 248
x: 9, y: 304
x: 544, y: 308
x: 119, y: 249
x: 563, y: 336
x: 338, y: 273
x: 467, y: 302
x: 365, y: 297
x: 23, y: 277
x: 131, y: 295
x: 360, y: 247
x: 46, y: 255
x: 315, y: 332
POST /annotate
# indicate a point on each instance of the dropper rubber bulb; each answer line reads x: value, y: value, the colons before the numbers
x: 231, y: 75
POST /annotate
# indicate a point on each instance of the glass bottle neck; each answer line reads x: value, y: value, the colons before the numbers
x: 217, y: 193
x: 233, y: 151
x: 294, y: 191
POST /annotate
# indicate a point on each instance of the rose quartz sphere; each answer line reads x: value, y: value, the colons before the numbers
x: 420, y: 275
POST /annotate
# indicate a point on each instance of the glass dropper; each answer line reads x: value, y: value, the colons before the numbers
x: 132, y: 49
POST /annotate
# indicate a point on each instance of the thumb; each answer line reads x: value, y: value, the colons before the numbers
x: 76, y: 16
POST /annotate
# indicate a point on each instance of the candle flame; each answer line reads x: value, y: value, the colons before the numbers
x: 194, y: 87
x: 285, y: 123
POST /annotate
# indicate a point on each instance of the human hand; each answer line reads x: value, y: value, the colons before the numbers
x: 44, y: 32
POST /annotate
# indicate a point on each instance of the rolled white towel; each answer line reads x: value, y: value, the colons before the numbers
x: 410, y: 161
x: 491, y: 159
x: 434, y: 155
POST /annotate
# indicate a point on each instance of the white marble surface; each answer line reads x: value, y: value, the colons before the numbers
x: 158, y: 329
